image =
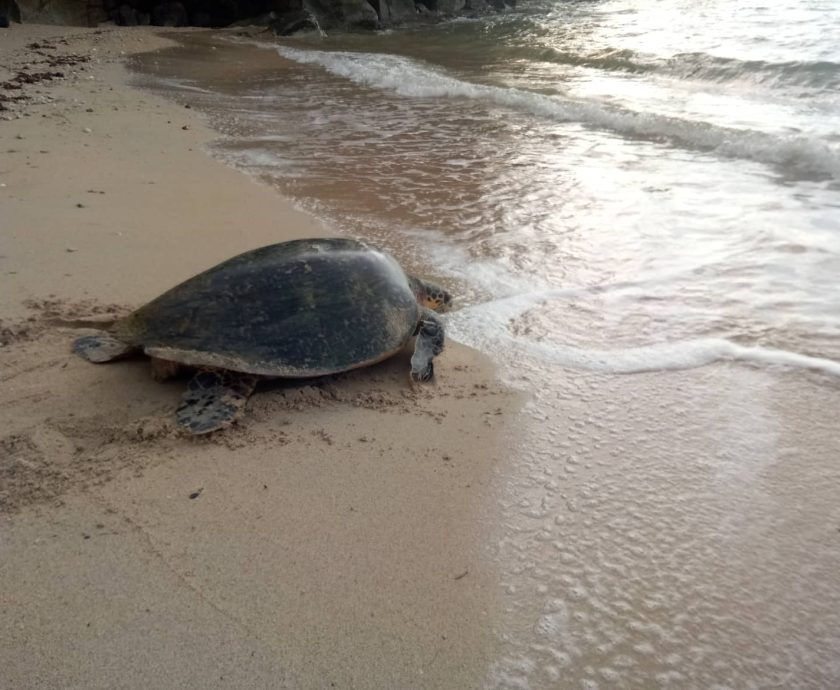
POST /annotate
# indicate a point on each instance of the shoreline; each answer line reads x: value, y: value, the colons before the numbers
x: 339, y: 534
x: 670, y: 525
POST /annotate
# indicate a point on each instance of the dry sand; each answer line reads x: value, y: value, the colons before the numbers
x: 336, y: 537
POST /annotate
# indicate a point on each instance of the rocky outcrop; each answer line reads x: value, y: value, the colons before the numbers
x: 9, y: 12
x: 286, y: 16
x: 170, y: 14
x: 450, y: 7
x: 370, y: 14
x: 343, y: 14
x: 397, y: 11
x: 73, y: 12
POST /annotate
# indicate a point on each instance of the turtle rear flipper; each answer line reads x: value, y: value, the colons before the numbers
x: 214, y: 400
x: 101, y: 347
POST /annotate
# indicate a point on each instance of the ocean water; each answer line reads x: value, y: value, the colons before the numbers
x: 637, y: 206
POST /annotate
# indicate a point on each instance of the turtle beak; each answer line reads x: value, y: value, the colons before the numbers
x: 439, y: 301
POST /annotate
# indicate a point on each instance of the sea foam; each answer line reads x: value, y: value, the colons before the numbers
x: 803, y: 155
x: 484, y: 326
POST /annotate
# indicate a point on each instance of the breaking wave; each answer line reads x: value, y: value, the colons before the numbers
x: 819, y: 75
x: 800, y: 155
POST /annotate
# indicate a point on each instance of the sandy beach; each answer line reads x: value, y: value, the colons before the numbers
x: 336, y: 537
x: 657, y: 508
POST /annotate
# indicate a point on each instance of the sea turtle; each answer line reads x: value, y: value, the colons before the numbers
x: 293, y: 310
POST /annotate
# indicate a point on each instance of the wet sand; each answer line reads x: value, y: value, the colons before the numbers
x: 336, y: 537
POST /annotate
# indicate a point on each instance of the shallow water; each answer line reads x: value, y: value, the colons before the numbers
x: 638, y: 205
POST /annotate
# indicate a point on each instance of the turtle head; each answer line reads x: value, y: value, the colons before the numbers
x: 430, y: 295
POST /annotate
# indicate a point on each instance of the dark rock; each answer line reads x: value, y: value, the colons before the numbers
x: 344, y: 14
x: 292, y: 22
x: 259, y: 19
x: 283, y: 16
x: 224, y: 12
x: 450, y: 7
x: 126, y: 16
x: 359, y: 14
x: 9, y: 12
x: 398, y: 11
x: 201, y: 18
x: 169, y: 14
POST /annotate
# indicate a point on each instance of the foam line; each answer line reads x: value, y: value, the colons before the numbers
x: 689, y: 354
x: 485, y: 328
x: 181, y: 84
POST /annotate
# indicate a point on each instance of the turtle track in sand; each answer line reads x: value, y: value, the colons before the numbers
x: 71, y: 426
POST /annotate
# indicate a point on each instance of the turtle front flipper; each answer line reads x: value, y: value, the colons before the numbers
x: 214, y: 400
x: 101, y: 347
x: 429, y: 345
